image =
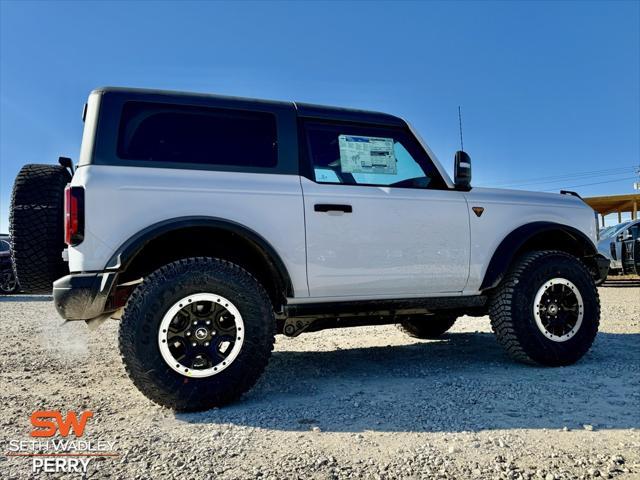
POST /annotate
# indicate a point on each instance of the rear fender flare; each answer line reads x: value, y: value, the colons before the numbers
x: 125, y: 254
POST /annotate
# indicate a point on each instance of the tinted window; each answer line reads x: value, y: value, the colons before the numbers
x: 366, y: 155
x: 613, y: 230
x: 184, y: 134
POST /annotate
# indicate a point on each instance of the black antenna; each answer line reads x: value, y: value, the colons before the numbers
x: 460, y: 125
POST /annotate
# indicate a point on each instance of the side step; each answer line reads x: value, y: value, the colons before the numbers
x: 319, y: 316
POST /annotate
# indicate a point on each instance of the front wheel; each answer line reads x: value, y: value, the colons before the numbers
x: 197, y: 334
x: 546, y: 310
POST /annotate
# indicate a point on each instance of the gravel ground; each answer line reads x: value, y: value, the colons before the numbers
x: 364, y: 402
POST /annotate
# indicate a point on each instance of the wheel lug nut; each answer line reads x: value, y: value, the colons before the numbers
x: 195, y: 323
x: 188, y: 334
x: 208, y: 322
x: 193, y: 344
x: 206, y: 344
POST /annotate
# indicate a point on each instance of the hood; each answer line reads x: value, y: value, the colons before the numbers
x: 525, y: 197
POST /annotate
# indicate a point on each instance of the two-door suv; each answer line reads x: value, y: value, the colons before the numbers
x: 208, y: 224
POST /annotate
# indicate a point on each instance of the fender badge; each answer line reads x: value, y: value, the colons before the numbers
x: 477, y: 210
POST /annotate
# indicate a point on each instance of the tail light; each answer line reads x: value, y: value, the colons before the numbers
x: 73, y: 215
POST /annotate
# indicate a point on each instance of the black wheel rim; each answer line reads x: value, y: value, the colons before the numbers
x: 8, y: 282
x: 201, y: 335
x: 558, y: 309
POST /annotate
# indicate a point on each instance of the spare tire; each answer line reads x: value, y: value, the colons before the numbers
x: 36, y: 224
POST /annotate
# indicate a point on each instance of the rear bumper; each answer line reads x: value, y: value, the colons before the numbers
x: 83, y: 296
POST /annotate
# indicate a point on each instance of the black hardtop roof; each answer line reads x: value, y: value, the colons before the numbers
x: 306, y: 110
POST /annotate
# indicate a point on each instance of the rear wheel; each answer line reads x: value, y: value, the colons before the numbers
x: 197, y: 334
x: 428, y: 326
x: 546, y: 310
x: 36, y: 224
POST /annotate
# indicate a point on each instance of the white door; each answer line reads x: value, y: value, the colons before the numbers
x: 379, y: 219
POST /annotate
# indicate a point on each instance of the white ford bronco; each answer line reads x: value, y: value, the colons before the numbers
x: 208, y: 224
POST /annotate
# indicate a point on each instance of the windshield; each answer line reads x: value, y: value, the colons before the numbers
x: 612, y: 230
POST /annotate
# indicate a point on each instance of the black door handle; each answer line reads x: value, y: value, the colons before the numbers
x: 331, y: 207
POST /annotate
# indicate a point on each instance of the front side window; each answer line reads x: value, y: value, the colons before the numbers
x: 197, y: 135
x: 368, y: 155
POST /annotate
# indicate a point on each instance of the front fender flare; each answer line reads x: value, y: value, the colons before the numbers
x: 514, y: 241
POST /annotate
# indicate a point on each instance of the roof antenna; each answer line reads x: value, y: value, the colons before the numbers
x: 460, y: 125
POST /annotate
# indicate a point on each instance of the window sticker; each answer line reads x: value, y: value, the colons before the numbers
x: 326, y: 175
x: 367, y: 155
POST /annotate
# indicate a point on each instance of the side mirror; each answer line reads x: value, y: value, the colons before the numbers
x: 462, y: 171
x: 67, y: 163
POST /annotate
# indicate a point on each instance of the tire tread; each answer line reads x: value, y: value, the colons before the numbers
x: 501, y: 302
x: 202, y: 399
x: 36, y: 226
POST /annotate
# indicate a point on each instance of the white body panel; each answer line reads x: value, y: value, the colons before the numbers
x: 506, y: 210
x: 122, y: 201
x: 397, y: 242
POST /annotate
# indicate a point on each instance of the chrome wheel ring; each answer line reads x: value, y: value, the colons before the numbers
x: 558, y: 309
x: 201, y: 335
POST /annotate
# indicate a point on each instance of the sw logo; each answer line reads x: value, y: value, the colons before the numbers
x: 49, y: 422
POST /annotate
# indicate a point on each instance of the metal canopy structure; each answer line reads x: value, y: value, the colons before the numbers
x: 615, y: 203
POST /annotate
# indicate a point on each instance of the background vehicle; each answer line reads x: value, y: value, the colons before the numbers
x: 630, y: 249
x: 611, y: 242
x: 8, y: 282
x: 209, y: 223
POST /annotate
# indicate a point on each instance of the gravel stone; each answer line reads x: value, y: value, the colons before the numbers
x: 366, y: 402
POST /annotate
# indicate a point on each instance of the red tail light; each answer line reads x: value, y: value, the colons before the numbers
x: 73, y: 215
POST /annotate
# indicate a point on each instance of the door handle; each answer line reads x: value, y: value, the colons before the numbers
x: 331, y: 207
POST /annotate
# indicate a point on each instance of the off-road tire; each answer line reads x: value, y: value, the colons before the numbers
x: 512, y: 316
x: 138, y: 338
x: 36, y: 225
x: 428, y: 326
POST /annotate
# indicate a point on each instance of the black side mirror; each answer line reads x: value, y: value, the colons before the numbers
x: 67, y: 163
x: 462, y: 171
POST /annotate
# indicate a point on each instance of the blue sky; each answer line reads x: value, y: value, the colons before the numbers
x: 548, y: 89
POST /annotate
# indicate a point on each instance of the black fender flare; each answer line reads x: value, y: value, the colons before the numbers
x: 514, y: 241
x: 124, y: 254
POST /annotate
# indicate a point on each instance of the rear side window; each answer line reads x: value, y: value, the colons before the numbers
x: 197, y: 135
